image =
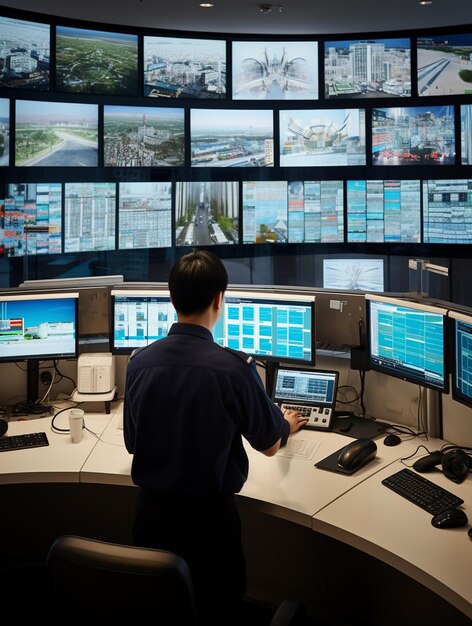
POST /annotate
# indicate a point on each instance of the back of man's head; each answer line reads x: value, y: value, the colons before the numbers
x: 195, y: 279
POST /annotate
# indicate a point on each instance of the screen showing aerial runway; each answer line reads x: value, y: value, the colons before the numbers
x: 275, y: 70
x: 56, y: 134
x: 444, y: 65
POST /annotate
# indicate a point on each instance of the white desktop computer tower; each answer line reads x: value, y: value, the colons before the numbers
x: 95, y: 372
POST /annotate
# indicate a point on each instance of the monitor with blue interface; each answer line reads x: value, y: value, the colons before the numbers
x: 139, y: 317
x: 274, y: 327
x: 461, y: 356
x: 446, y: 211
x: 407, y: 340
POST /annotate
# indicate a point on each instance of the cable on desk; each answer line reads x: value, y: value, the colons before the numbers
x: 405, y: 458
x: 56, y: 369
x: 63, y: 431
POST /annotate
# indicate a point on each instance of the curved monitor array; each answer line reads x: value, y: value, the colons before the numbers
x: 265, y: 110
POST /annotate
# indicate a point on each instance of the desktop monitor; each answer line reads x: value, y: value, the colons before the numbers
x: 38, y: 326
x: 461, y: 356
x: 139, y: 317
x: 270, y: 326
x: 446, y: 210
x: 407, y: 340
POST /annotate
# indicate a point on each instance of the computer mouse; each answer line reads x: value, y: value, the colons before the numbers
x: 392, y: 440
x: 428, y: 462
x: 357, y: 453
x: 449, y: 518
x: 469, y: 532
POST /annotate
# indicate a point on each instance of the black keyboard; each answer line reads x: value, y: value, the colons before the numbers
x: 421, y: 491
x: 20, y: 442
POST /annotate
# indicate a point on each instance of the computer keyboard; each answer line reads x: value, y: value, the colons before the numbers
x: 421, y: 491
x: 318, y: 417
x: 20, y: 442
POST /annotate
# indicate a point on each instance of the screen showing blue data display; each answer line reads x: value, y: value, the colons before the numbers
x: 383, y: 211
x: 447, y: 207
x: 407, y: 341
x: 268, y: 326
x: 139, y: 318
x: 297, y: 212
x: 38, y: 326
x: 462, y: 355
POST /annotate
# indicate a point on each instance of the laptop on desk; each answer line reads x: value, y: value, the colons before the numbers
x: 312, y: 392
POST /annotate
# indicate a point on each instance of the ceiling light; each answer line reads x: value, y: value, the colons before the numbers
x: 425, y: 2
x: 206, y: 5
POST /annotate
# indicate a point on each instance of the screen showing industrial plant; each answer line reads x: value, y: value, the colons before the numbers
x: 92, y: 61
x: 56, y: 134
x: 371, y: 68
x: 325, y: 137
x: 32, y: 219
x: 176, y: 67
x: 143, y: 136
x: 413, y: 136
x: 206, y: 213
x: 24, y: 54
x: 232, y: 138
x: 275, y: 70
x: 444, y: 65
x: 144, y: 215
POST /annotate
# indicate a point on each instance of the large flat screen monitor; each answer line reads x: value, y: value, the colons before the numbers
x: 269, y: 326
x: 367, y: 69
x: 407, y: 340
x: 321, y: 138
x: 466, y: 134
x: 40, y: 326
x: 383, y: 211
x: 138, y: 318
x: 363, y: 274
x: 206, y: 213
x: 4, y: 132
x: 144, y: 215
x: 413, y: 136
x: 444, y: 64
x: 461, y: 356
x: 447, y: 205
x: 275, y: 70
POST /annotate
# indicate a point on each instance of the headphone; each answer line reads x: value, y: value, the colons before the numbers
x: 456, y: 464
x: 3, y: 427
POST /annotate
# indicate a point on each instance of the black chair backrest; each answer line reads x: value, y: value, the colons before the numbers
x: 99, y: 578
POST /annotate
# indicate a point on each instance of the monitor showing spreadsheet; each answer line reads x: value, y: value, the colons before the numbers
x: 461, y: 356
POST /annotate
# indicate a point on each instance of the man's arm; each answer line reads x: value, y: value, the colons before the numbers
x: 295, y: 422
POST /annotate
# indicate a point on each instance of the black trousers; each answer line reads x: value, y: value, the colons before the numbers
x: 206, y: 532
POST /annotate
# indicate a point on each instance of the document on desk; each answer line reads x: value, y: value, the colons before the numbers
x: 299, y: 448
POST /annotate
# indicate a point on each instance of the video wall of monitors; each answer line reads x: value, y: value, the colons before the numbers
x: 114, y: 139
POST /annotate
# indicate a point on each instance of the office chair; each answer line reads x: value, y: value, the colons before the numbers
x: 98, y: 578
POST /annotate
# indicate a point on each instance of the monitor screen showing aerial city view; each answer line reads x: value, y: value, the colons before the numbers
x: 367, y: 69
x: 59, y: 134
x: 92, y: 61
x: 24, y: 54
x: 413, y: 136
x: 184, y: 68
x: 143, y: 136
x: 231, y: 138
x: 322, y: 137
x: 444, y: 65
x: 206, y: 213
x: 275, y: 70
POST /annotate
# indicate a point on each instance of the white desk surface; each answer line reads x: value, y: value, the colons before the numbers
x: 60, y: 461
x: 292, y: 488
x: 385, y: 525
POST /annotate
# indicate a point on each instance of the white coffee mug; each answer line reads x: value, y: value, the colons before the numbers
x: 76, y: 424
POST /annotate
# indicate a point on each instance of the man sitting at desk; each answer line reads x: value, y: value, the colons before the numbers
x: 188, y: 403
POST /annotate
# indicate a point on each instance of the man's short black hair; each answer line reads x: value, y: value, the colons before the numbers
x: 194, y: 281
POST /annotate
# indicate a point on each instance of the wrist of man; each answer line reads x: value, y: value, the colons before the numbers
x: 285, y: 433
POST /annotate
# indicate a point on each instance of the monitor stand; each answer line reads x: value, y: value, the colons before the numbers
x: 32, y: 380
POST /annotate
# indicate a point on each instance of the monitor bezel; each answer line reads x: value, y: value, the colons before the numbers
x: 408, y: 375
x: 454, y: 317
x: 30, y: 295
